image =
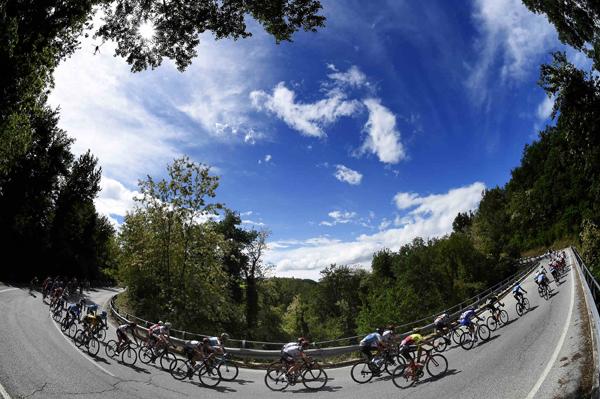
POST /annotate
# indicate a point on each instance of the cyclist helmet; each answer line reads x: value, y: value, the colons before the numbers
x: 300, y: 340
x: 205, y: 340
x: 224, y: 337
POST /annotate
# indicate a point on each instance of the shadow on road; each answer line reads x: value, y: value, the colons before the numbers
x: 493, y: 337
x: 446, y: 374
x: 242, y: 382
x: 218, y: 388
x: 326, y: 388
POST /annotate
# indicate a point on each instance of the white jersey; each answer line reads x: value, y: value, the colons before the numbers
x: 293, y: 351
x: 387, y: 336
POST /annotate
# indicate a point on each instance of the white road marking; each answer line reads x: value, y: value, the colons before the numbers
x: 3, y: 392
x: 79, y: 351
x: 561, y: 341
x: 8, y: 289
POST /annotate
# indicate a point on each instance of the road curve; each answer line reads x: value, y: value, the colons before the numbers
x: 38, y: 361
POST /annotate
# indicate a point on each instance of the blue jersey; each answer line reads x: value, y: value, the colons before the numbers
x: 517, y: 288
x: 467, y: 315
x: 74, y: 309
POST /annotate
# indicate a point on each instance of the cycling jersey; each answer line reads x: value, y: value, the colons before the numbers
x: 441, y: 319
x: 517, y: 288
x: 540, y: 278
x: 294, y: 351
x: 74, y: 309
x: 413, y: 339
x: 372, y: 339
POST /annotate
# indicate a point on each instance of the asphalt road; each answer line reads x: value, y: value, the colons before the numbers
x: 38, y: 361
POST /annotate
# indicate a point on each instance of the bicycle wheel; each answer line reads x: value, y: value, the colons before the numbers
x: 72, y: 330
x: 129, y: 356
x: 546, y: 293
x: 111, y: 348
x: 503, y: 317
x: 466, y: 341
x: 209, y: 376
x: 540, y: 291
x: 483, y: 332
x: 437, y: 365
x: 180, y: 370
x: 492, y: 323
x: 229, y: 371
x: 402, y: 377
x: 456, y: 334
x: 440, y: 344
x: 79, y: 338
x: 361, y: 372
x: 57, y: 315
x: 146, y: 354
x: 526, y: 303
x: 314, y: 377
x: 93, y: 346
x: 519, y: 309
x: 64, y: 324
x: 275, y: 379
x: 166, y: 359
x: 101, y: 334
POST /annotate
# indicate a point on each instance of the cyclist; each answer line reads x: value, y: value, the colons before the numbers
x: 292, y: 354
x: 554, y: 272
x: 465, y: 320
x: 370, y: 343
x: 542, y: 280
x: 74, y: 311
x: 122, y: 331
x: 153, y: 333
x: 491, y: 305
x: 217, y: 343
x: 33, y: 284
x: 409, y: 344
x: 92, y: 309
x: 518, y: 292
x: 90, y: 322
x: 163, y: 334
x: 193, y: 351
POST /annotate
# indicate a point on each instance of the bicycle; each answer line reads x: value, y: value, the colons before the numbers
x: 68, y: 325
x: 86, y: 338
x: 363, y: 371
x: 128, y: 353
x: 468, y: 339
x: 208, y: 373
x: 311, y: 374
x: 159, y: 351
x: 442, y: 341
x: 522, y: 306
x: 406, y: 375
x: 544, y: 291
x: 493, y: 321
x: 228, y: 370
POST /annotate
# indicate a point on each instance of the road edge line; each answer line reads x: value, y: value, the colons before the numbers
x: 8, y: 289
x: 561, y: 341
x: 79, y: 351
x: 4, y: 393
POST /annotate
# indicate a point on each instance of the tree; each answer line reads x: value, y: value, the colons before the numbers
x: 462, y: 222
x: 254, y: 270
x: 576, y: 23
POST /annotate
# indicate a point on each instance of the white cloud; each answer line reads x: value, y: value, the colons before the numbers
x: 383, y: 138
x: 348, y: 175
x: 268, y: 158
x: 432, y: 217
x: 137, y: 123
x: 512, y: 34
x: 544, y: 110
x: 354, y: 77
x: 405, y: 200
x: 339, y: 217
x: 308, y: 118
x: 114, y: 199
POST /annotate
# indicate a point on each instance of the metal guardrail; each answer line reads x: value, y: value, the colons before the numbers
x: 591, y: 289
x: 500, y: 289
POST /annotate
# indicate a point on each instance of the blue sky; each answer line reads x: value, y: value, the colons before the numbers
x: 378, y: 128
